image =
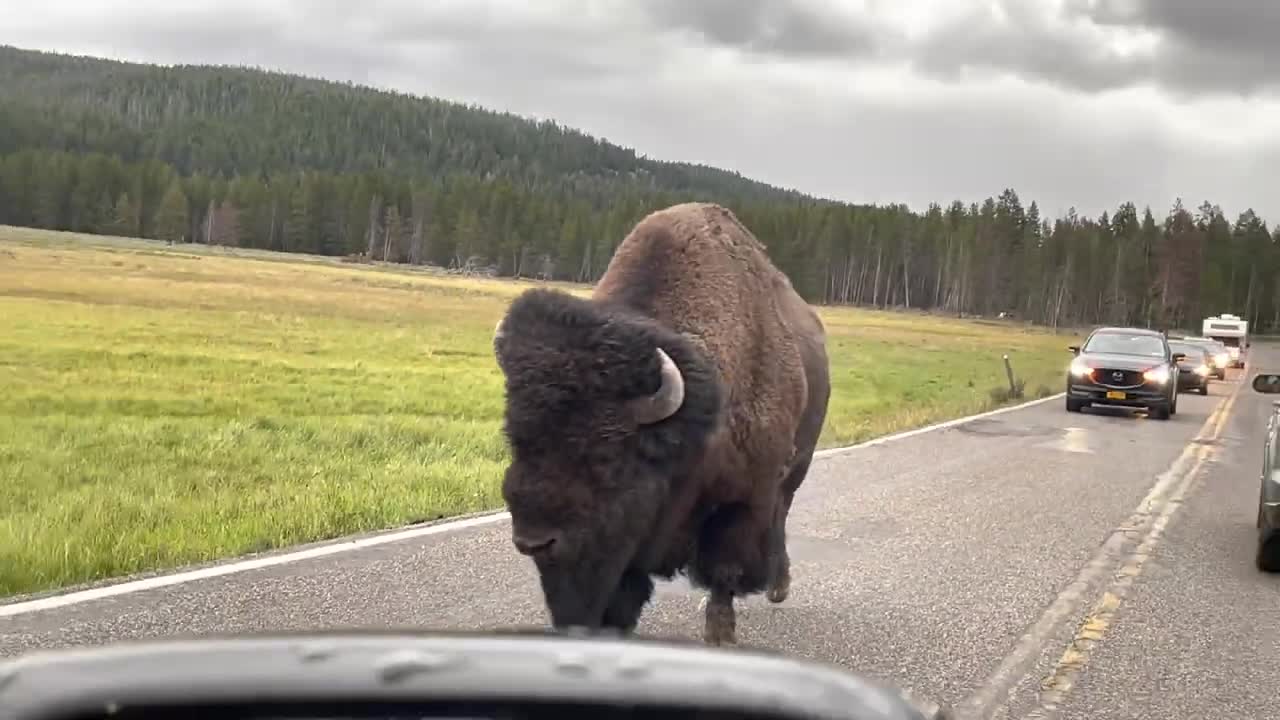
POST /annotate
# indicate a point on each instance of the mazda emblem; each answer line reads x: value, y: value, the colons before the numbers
x: 1117, y: 375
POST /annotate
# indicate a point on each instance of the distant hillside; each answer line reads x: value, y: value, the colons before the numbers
x: 258, y: 159
x: 223, y: 120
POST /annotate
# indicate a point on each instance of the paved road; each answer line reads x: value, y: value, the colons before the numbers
x: 1198, y: 635
x: 959, y: 563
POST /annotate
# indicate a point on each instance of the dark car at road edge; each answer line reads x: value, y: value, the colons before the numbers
x: 1196, y: 367
x: 1221, y: 359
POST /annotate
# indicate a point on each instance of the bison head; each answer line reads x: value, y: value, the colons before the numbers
x: 605, y: 411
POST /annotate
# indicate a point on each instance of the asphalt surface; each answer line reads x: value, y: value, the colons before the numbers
x: 955, y: 563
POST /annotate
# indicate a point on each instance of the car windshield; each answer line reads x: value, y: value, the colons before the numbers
x: 1125, y: 344
x: 1194, y: 353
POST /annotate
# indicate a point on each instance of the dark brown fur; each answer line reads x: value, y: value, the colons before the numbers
x: 705, y: 491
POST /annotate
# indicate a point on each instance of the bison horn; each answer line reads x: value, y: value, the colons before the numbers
x: 497, y: 329
x: 667, y: 400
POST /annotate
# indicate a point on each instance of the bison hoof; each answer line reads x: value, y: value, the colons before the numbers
x: 721, y: 624
x: 778, y: 593
x: 719, y: 636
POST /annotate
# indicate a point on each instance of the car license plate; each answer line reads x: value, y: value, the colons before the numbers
x: 1115, y: 395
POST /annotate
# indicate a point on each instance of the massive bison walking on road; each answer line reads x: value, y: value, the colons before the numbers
x: 663, y: 425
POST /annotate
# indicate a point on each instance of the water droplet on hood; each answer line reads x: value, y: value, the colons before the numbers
x: 632, y: 668
x: 407, y: 663
x: 315, y: 652
x: 572, y: 663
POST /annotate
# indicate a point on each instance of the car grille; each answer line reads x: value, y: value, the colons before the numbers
x: 1117, y: 378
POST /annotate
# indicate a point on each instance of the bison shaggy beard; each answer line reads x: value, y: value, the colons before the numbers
x: 605, y: 412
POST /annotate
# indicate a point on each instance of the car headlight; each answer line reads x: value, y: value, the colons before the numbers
x: 1202, y: 370
x: 1157, y: 375
x: 1081, y: 369
x: 1222, y: 358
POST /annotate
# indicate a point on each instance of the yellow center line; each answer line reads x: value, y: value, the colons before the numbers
x: 1110, y: 572
x: 1093, y: 628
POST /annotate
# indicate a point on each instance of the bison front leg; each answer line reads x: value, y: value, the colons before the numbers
x: 628, y: 601
x: 721, y: 627
x: 779, y: 558
x: 732, y: 560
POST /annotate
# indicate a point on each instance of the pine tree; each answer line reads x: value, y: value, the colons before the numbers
x: 172, y: 217
x: 124, y: 217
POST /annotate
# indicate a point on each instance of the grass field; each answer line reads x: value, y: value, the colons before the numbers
x: 167, y: 405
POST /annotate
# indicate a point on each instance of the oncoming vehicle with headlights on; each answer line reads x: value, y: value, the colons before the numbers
x: 1125, y: 367
x: 1195, y: 369
x: 1219, y: 358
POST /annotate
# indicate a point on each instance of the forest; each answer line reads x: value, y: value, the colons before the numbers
x: 252, y: 158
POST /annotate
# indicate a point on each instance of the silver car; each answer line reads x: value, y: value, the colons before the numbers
x: 1268, y: 557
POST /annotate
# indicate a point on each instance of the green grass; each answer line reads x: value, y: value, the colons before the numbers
x: 162, y: 406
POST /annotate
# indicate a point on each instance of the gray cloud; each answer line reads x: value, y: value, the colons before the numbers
x: 1230, y: 27
x: 841, y: 100
x: 1201, y: 48
x: 794, y: 28
x: 1208, y: 45
x: 1011, y: 37
x: 1223, y: 46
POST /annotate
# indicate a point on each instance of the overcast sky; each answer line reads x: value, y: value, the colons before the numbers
x: 1070, y: 102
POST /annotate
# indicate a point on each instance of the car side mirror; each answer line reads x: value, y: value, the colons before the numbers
x: 379, y: 675
x: 1074, y: 349
x: 1179, y: 357
x: 1266, y: 383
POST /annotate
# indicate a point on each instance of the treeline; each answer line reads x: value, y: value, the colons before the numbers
x: 239, y: 121
x: 252, y: 159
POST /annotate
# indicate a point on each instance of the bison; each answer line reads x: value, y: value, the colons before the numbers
x: 663, y: 425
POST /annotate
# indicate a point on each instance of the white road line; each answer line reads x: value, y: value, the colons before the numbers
x: 342, y: 546
x: 829, y: 452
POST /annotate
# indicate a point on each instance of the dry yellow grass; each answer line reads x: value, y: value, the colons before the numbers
x: 166, y: 405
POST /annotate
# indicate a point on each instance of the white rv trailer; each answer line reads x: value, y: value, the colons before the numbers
x: 1231, y: 331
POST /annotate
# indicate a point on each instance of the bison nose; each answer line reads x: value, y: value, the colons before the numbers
x: 534, y: 543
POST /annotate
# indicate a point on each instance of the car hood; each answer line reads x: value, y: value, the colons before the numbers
x: 1121, y: 362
